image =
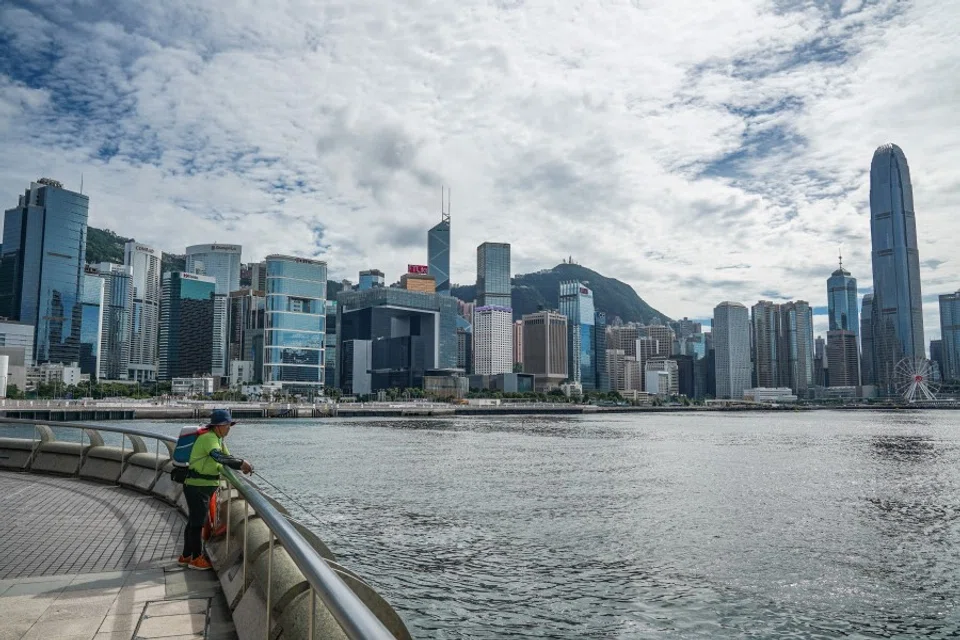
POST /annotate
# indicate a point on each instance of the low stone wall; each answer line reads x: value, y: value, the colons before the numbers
x: 245, y: 565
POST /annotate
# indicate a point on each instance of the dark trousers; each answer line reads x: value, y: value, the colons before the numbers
x: 198, y: 506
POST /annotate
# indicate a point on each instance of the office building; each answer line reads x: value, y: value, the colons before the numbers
x: 936, y: 355
x: 464, y: 345
x: 465, y: 309
x: 221, y: 330
x: 796, y: 346
x: 518, y: 343
x: 950, y: 335
x: 821, y: 375
x: 600, y: 374
x: 371, y: 278
x: 186, y: 325
x: 623, y: 336
x: 686, y: 327
x: 493, y: 275
x: 145, y: 315
x: 616, y: 369
x: 731, y: 342
x: 91, y: 323
x: 868, y: 375
x: 694, y: 344
x: 545, y: 348
x: 645, y: 348
x: 16, y: 342
x: 247, y: 319
x: 898, y: 309
x: 117, y: 308
x: 664, y: 336
x: 686, y: 375
x: 842, y: 358
x: 419, y: 282
x: 330, y: 345
x: 258, y: 276
x: 632, y: 375
x: 662, y: 377
x: 492, y: 340
x: 842, y: 301
x: 41, y: 268
x: 388, y: 338
x: 438, y: 251
x: 765, y: 346
x: 576, y: 303
x: 293, y: 345
x: 218, y: 261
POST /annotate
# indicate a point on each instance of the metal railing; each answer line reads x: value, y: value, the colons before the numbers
x: 354, y: 617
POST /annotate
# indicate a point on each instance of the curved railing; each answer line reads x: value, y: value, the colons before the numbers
x: 293, y: 573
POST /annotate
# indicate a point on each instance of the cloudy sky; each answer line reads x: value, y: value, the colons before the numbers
x: 700, y: 151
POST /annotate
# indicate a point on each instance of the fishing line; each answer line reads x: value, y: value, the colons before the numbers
x: 290, y: 498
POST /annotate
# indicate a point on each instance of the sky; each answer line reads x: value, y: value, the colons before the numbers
x: 699, y: 151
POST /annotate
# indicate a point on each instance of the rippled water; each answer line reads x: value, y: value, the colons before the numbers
x: 798, y: 525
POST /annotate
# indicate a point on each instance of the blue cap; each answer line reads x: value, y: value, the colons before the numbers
x: 221, y: 416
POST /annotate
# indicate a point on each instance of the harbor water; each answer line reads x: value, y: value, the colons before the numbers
x: 723, y: 525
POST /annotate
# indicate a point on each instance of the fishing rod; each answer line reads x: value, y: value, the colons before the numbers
x: 289, y: 497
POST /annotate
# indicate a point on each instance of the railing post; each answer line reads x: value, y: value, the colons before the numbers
x: 269, y: 585
x: 123, y: 450
x: 229, y: 497
x: 80, y: 466
x: 246, y: 513
x: 156, y: 469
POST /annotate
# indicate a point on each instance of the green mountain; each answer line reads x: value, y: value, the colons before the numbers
x: 104, y: 245
x: 541, y: 290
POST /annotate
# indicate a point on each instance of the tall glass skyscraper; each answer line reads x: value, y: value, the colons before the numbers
x: 438, y: 254
x: 219, y: 261
x: 145, y: 316
x: 898, y: 317
x: 91, y: 323
x: 842, y: 301
x: 186, y: 325
x: 117, y: 309
x: 950, y: 335
x: 294, y: 336
x: 576, y: 303
x: 868, y: 375
x: 41, y: 267
x: 493, y: 275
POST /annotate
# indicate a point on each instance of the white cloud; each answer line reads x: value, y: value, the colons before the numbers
x: 655, y: 142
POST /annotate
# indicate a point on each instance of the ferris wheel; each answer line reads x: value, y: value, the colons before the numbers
x: 914, y: 380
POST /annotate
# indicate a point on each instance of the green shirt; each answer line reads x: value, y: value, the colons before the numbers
x: 201, y: 462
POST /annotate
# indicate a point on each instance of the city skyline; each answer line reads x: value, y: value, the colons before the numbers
x: 758, y: 137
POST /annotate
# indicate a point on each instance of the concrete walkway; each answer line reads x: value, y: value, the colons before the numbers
x: 81, y: 560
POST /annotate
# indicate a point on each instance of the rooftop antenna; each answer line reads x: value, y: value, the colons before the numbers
x: 81, y: 183
x: 444, y: 205
x: 840, y: 250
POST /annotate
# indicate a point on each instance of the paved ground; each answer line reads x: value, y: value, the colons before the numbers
x: 81, y: 560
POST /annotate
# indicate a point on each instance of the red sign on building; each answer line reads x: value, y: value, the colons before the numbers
x: 417, y: 268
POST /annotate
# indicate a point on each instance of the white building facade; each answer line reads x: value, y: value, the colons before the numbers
x: 492, y: 340
x: 731, y: 343
x: 145, y: 315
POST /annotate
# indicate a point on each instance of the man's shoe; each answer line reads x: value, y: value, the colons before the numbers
x: 200, y: 563
x: 184, y: 560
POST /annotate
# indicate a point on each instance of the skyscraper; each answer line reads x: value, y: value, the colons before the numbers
x: 898, y: 317
x: 796, y: 346
x: 731, y: 342
x: 518, y: 342
x: 868, y: 374
x: 492, y: 340
x: 438, y: 250
x: 186, y: 325
x: 371, y: 278
x: 493, y: 275
x: 936, y: 355
x: 91, y: 323
x: 842, y: 301
x: 247, y: 318
x: 117, y: 308
x: 576, y: 303
x: 545, y: 348
x: 950, y: 335
x: 218, y: 261
x: 295, y: 323
x: 765, y: 345
x: 41, y: 267
x: 600, y: 373
x: 842, y: 358
x: 145, y: 316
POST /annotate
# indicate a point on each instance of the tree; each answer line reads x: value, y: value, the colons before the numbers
x: 14, y: 393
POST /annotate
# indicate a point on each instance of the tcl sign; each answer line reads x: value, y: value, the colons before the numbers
x: 418, y: 269
x: 584, y: 291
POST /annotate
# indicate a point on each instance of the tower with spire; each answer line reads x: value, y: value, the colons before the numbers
x: 438, y: 246
x: 843, y: 352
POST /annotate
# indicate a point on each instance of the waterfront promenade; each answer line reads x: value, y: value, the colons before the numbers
x: 85, y: 560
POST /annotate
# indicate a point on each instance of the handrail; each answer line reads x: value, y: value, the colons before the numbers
x: 356, y: 620
x: 354, y: 617
x: 96, y: 427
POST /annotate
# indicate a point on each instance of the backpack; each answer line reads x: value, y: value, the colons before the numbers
x: 181, y: 453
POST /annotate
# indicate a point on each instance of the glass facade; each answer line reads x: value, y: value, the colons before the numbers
x: 330, y: 345
x: 438, y: 256
x: 145, y: 263
x: 576, y: 303
x: 370, y: 278
x: 950, y: 335
x: 247, y: 319
x: 731, y: 350
x: 91, y: 324
x: 186, y: 325
x: 407, y: 333
x: 493, y: 275
x: 867, y: 372
x: 117, y: 308
x: 219, y: 261
x: 41, y: 268
x: 842, y: 302
x: 295, y: 323
x: 898, y: 312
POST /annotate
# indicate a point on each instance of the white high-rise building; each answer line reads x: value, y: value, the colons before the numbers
x: 218, y: 261
x: 145, y: 317
x: 492, y: 340
x: 117, y: 309
x: 731, y: 343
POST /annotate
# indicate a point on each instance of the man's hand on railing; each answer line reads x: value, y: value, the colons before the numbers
x: 246, y: 467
